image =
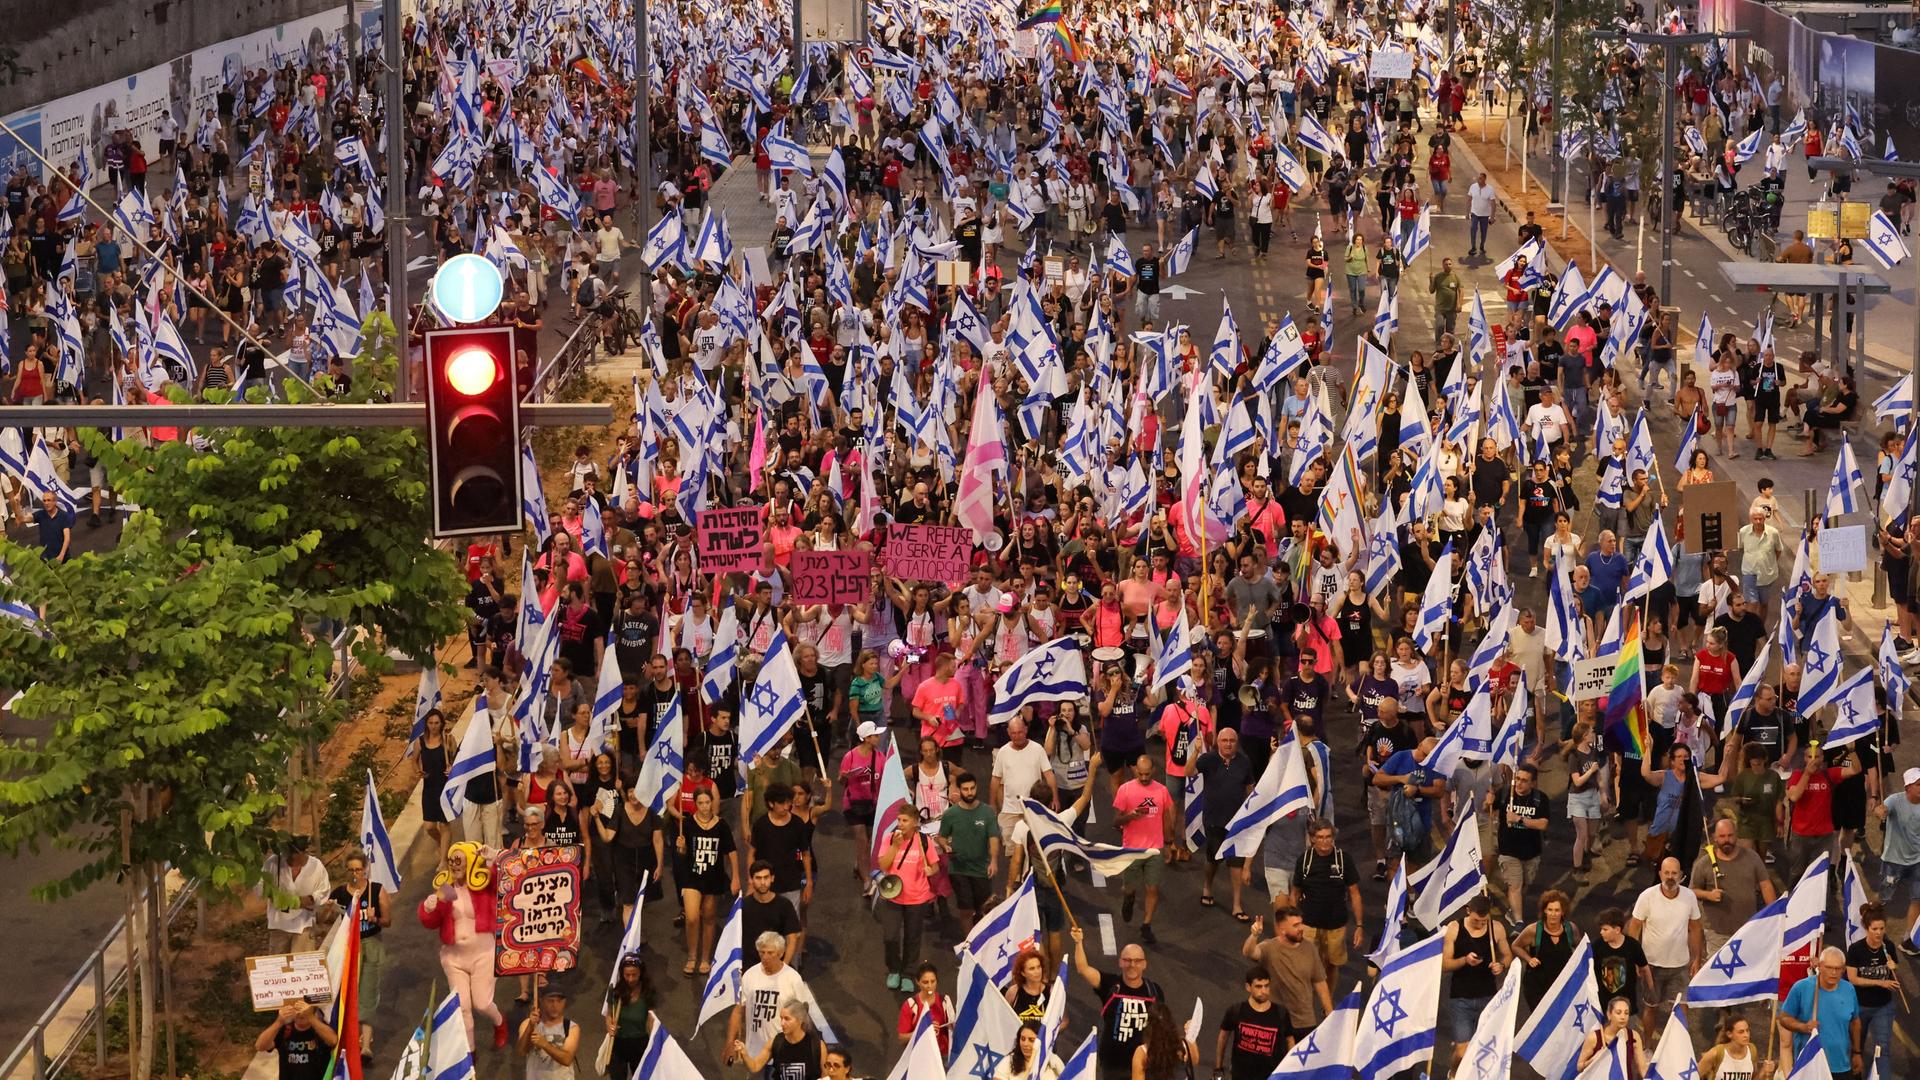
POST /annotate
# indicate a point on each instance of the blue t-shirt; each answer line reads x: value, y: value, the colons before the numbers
x: 1403, y: 763
x: 1607, y: 573
x: 1838, y: 1009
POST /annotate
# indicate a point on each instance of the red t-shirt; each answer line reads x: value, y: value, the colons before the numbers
x: 1716, y: 672
x: 1813, y: 812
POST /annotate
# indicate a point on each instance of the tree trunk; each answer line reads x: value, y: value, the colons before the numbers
x: 131, y: 936
x: 161, y: 963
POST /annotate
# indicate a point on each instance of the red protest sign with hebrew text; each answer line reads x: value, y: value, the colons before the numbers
x: 831, y: 577
x: 538, y: 910
x: 730, y: 538
x: 929, y: 552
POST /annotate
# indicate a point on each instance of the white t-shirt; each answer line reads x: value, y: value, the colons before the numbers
x: 761, y: 995
x: 1480, y: 199
x: 1017, y: 771
x: 1663, y: 934
x: 1548, y: 420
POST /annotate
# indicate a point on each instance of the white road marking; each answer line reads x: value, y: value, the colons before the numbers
x: 1107, y: 944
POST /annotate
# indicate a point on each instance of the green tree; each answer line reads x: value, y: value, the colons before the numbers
x: 363, y: 491
x: 177, y: 683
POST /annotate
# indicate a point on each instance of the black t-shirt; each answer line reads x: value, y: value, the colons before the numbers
x: 1146, y: 276
x: 1616, y: 971
x: 782, y: 846
x: 303, y: 1056
x: 1323, y: 881
x: 1123, y: 1019
x: 1873, y: 964
x: 1763, y: 730
x: 1387, y: 741
x: 721, y: 754
x: 579, y: 632
x: 1257, y: 1038
x: 1488, y: 478
x: 1306, y: 697
x: 1519, y: 841
x: 633, y: 637
x: 654, y: 704
x: 757, y: 918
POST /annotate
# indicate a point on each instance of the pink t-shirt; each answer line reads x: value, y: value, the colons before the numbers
x: 934, y: 697
x: 1147, y: 830
x: 857, y: 773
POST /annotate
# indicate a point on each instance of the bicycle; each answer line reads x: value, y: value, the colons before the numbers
x: 619, y: 323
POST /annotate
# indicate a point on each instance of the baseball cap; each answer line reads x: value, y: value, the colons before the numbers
x: 1912, y: 777
x: 872, y: 728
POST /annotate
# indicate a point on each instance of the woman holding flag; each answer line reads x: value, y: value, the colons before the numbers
x: 375, y: 916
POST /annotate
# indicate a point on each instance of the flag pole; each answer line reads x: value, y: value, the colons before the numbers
x: 1040, y: 860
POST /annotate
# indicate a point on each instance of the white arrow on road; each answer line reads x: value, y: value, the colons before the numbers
x: 420, y: 262
x: 1181, y: 292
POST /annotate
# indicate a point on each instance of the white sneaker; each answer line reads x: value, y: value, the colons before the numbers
x: 1533, y: 571
x: 1911, y: 656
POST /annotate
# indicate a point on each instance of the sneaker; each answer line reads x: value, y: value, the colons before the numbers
x: 1769, y: 858
x: 1908, y: 948
x: 893, y: 981
x: 1146, y: 934
x: 1380, y: 870
x: 1533, y: 571
x: 500, y: 1035
x: 1911, y: 656
x: 1126, y: 907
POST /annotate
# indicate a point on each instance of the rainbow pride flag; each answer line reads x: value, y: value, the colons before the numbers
x: 1626, y: 696
x: 1050, y: 13
x: 1065, y: 40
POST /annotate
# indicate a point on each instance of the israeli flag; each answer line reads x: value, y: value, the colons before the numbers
x: 1180, y: 255
x: 1281, y: 791
x: 775, y: 704
x: 1489, y: 1053
x: 1820, y: 669
x: 717, y: 679
x: 1811, y: 1061
x: 1553, y: 1035
x: 1055, y: 671
x: 1654, y: 567
x: 1396, y: 1030
x: 1436, y: 604
x: 1747, y: 967
x: 1313, y: 136
x: 1853, y: 893
x: 713, y: 243
x: 1055, y: 836
x: 1453, y: 877
x: 1883, y: 240
x: 1204, y: 184
x: 1291, y: 172
x: 663, y: 1058
x: 1897, y: 403
x: 665, y: 767
x: 785, y: 154
x: 1749, y: 146
x: 1327, y: 1051
x: 449, y: 1048
x: 382, y: 867
x: 474, y: 759
x: 984, y: 1025
x: 1892, y: 674
x: 997, y: 939
x: 1858, y: 717
x: 1172, y: 652
x: 533, y: 500
x: 1843, y: 488
x: 722, y: 990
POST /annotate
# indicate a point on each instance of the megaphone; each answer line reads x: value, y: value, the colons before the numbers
x: 1299, y: 613
x: 891, y: 885
x: 1249, y: 697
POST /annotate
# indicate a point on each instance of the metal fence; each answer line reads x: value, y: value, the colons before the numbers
x: 60, y: 1034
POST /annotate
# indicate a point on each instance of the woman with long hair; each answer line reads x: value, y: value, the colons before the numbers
x: 429, y: 752
x: 1165, y: 1053
x: 627, y: 1004
x: 1021, y: 1063
x: 1030, y: 989
x: 795, y: 1052
x: 1619, y: 1013
x: 1733, y: 1055
x: 708, y: 868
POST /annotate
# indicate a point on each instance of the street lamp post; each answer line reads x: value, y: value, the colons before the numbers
x: 1669, y: 85
x: 397, y: 124
x: 643, y: 140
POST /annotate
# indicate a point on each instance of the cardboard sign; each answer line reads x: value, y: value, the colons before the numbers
x: 1713, y: 516
x: 538, y: 911
x: 730, y: 538
x: 1843, y: 549
x: 1391, y: 64
x: 928, y: 553
x: 831, y: 577
x: 288, y: 979
x: 1591, y: 679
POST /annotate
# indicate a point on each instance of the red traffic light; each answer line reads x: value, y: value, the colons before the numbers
x: 473, y: 420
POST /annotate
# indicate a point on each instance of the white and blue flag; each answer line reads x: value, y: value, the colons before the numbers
x: 1326, y: 1053
x: 1055, y: 671
x: 382, y: 867
x: 474, y: 759
x: 1558, y: 1027
x: 774, y: 704
x: 1747, y: 967
x: 1397, y: 1026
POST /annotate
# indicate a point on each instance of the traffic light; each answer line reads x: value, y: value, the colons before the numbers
x: 473, y: 421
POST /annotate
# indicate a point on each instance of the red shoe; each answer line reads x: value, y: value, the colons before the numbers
x: 500, y: 1035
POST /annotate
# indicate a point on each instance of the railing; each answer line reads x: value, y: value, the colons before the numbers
x: 573, y: 355
x: 108, y: 982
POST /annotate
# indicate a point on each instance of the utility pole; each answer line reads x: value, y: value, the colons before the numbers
x: 1556, y: 162
x: 1671, y: 45
x: 643, y: 140
x: 398, y: 123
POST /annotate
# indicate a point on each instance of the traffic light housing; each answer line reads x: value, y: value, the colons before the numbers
x: 473, y: 425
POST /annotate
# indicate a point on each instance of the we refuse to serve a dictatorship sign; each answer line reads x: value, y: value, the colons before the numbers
x: 928, y: 552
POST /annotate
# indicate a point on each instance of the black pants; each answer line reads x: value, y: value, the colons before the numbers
x: 1262, y: 235
x: 905, y: 924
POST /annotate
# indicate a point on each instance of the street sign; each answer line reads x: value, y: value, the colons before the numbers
x: 832, y: 21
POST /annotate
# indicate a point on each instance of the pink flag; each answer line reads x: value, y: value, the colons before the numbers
x: 1193, y: 471
x: 986, y: 458
x: 869, y: 499
x: 757, y: 457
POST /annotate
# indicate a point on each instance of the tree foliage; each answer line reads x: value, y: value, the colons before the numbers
x: 363, y: 491
x: 177, y: 683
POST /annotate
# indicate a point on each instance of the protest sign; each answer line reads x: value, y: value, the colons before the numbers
x: 288, y: 979
x: 1591, y: 679
x: 831, y: 577
x: 928, y: 552
x: 730, y: 539
x: 538, y: 910
x: 1391, y: 64
x: 1843, y: 549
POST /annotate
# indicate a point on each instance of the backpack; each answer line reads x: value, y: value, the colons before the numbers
x: 1410, y: 832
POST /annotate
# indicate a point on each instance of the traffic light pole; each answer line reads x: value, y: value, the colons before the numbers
x: 643, y: 142
x: 398, y: 123
x: 408, y: 414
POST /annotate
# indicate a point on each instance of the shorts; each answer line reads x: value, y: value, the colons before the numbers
x: 1144, y: 870
x: 1893, y: 875
x: 1766, y: 408
x: 1279, y: 884
x: 1584, y: 804
x: 1215, y: 838
x: 1120, y: 761
x: 1463, y: 1016
x: 1637, y: 798
x: 1377, y: 805
x: 858, y: 814
x: 971, y: 893
x: 1518, y: 873
x: 1332, y: 944
x: 1668, y: 984
x: 1008, y: 822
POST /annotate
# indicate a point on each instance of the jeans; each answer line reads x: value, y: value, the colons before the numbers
x: 1150, y: 306
x: 905, y: 922
x: 1357, y: 290
x: 1648, y: 364
x: 1477, y: 232
x: 1577, y: 408
x: 1876, y: 1031
x: 1443, y: 324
